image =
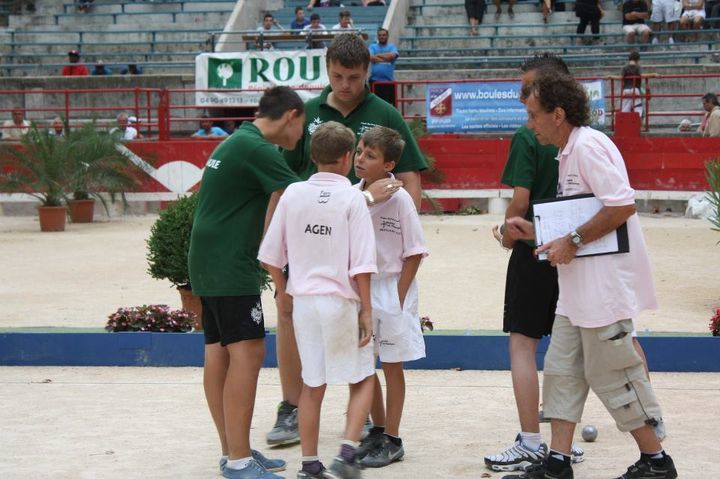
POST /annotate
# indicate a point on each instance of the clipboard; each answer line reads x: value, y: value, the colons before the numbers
x: 556, y: 217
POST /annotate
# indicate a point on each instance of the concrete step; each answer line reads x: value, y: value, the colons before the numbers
x: 212, y: 20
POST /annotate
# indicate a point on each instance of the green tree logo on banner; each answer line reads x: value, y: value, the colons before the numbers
x: 224, y: 73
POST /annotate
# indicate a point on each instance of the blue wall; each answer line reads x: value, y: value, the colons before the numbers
x: 665, y: 353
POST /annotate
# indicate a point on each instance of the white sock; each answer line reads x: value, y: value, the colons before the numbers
x: 238, y: 463
x: 309, y: 459
x: 531, y: 440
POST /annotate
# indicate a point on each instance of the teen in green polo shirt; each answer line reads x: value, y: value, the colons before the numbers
x: 349, y: 102
x: 241, y: 174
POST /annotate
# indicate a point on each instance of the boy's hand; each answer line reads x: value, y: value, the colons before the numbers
x: 401, y: 296
x: 364, y: 327
x: 284, y: 303
x: 383, y: 189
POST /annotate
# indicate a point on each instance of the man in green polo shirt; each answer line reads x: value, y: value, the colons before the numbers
x: 241, y: 174
x: 347, y: 101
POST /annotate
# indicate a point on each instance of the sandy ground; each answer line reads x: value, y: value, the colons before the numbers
x: 78, y: 277
x: 151, y: 423
x: 138, y: 423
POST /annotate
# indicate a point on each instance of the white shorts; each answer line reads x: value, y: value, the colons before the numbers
x: 694, y: 13
x: 398, y: 336
x: 632, y: 100
x: 638, y: 28
x: 326, y: 331
x: 667, y: 11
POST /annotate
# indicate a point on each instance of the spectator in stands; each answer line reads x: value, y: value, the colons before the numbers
x: 268, y: 26
x: 667, y: 11
x: 101, y: 69
x: 712, y: 10
x: 632, y: 94
x: 131, y: 69
x: 589, y: 11
x: 346, y: 21
x: 323, y: 3
x: 373, y: 3
x: 207, y: 130
x: 475, y: 10
x: 693, y: 17
x: 710, y: 125
x: 300, y: 21
x: 75, y: 69
x: 315, y: 26
x: 16, y: 6
x: 16, y: 128
x: 498, y: 9
x: 57, y: 127
x: 635, y: 12
x: 382, y: 66
x: 127, y: 132
x: 228, y: 126
x: 84, y: 5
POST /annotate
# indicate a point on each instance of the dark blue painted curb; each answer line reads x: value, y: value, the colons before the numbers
x: 665, y: 353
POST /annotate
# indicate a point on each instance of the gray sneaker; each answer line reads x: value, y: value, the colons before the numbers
x: 339, y: 469
x: 370, y: 442
x: 306, y: 475
x: 285, y: 431
x: 384, y: 454
x: 577, y: 454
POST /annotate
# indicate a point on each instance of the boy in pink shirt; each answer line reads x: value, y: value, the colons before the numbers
x: 323, y: 228
x: 396, y: 324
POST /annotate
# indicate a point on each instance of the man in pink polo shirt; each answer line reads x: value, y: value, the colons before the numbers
x: 591, y: 345
x: 322, y: 227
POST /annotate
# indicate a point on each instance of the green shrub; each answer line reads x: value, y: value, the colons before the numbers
x: 169, y: 242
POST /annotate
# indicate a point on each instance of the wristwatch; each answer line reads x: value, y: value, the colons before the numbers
x: 369, y: 198
x: 576, y: 238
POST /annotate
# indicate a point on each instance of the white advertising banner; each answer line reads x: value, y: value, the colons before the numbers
x: 257, y: 70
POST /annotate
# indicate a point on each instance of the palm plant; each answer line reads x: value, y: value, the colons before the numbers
x: 712, y: 173
x: 40, y: 167
x: 98, y: 165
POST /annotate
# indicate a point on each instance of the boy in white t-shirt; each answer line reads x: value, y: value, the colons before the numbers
x: 396, y: 323
x: 322, y: 227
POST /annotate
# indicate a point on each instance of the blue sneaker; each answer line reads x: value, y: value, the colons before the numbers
x: 272, y: 465
x: 254, y: 470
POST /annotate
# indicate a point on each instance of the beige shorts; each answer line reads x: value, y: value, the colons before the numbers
x: 398, y: 336
x: 605, y: 360
x: 326, y: 331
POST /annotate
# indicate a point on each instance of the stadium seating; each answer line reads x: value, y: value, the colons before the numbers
x: 437, y: 36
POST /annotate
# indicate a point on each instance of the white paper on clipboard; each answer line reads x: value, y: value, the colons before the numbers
x: 559, y: 216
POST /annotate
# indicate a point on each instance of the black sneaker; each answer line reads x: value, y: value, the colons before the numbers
x: 285, y: 431
x: 645, y: 469
x: 539, y: 471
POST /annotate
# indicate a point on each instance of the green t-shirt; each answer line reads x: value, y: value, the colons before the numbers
x: 533, y: 166
x: 229, y: 218
x: 372, y: 111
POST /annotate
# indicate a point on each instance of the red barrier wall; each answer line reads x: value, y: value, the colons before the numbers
x: 468, y: 163
x: 652, y: 163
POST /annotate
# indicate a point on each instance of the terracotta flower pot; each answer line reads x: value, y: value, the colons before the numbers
x: 192, y: 303
x: 81, y: 211
x: 52, y: 218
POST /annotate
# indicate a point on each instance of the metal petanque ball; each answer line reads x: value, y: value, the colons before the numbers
x: 589, y: 433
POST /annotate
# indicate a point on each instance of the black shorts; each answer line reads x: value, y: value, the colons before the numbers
x: 229, y: 319
x: 475, y: 9
x: 531, y: 294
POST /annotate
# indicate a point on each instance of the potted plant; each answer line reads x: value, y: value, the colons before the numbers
x: 40, y: 167
x: 168, y: 247
x: 98, y: 166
